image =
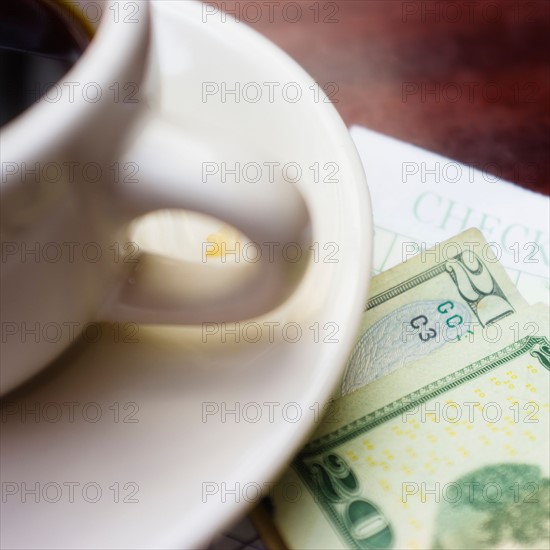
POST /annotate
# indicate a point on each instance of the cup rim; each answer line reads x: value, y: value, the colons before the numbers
x: 43, y: 127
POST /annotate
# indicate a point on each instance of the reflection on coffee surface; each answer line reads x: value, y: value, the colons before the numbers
x: 40, y: 41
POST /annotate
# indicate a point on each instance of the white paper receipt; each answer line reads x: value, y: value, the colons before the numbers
x: 420, y: 198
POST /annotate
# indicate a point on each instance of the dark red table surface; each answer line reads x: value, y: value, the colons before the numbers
x: 469, y: 79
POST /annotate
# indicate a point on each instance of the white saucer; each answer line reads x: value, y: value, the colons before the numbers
x: 176, y: 455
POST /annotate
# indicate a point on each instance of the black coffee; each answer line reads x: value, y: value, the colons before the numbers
x: 39, y: 42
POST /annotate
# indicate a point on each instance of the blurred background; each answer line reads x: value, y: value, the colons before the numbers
x: 469, y: 79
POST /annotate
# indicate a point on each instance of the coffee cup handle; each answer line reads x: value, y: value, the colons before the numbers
x: 164, y: 290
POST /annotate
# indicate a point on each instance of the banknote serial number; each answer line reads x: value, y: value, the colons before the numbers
x: 454, y: 328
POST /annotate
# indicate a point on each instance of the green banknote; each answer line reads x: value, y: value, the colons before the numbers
x: 455, y: 290
x: 451, y: 451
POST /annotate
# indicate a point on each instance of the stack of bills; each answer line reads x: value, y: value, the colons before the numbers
x: 439, y: 434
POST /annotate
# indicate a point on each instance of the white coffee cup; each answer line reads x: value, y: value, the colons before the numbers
x: 64, y: 238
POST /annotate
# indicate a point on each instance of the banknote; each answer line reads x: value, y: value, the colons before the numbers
x: 439, y: 296
x: 448, y: 452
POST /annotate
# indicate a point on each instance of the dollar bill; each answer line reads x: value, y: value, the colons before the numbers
x: 452, y: 291
x: 448, y: 452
